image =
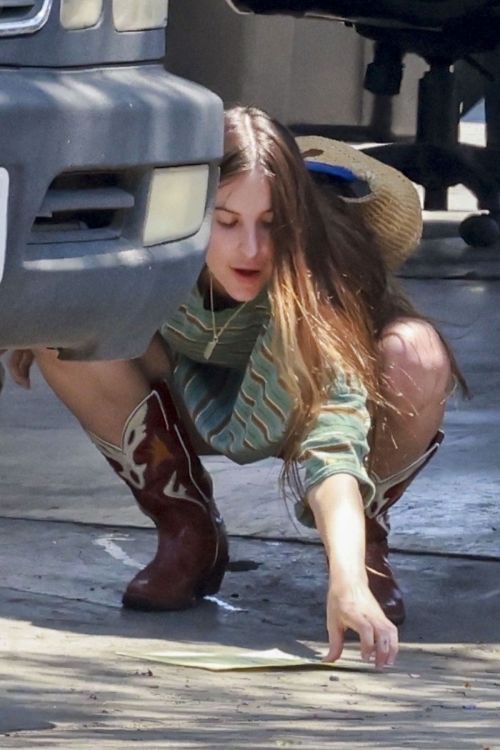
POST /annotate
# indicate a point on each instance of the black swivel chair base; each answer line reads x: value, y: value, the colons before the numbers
x: 441, y: 34
x: 438, y: 168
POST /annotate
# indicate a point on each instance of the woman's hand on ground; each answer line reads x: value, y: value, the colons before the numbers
x: 19, y: 364
x: 354, y: 607
x: 338, y: 511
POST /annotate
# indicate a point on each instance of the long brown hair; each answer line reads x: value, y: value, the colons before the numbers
x: 330, y: 292
x: 362, y: 261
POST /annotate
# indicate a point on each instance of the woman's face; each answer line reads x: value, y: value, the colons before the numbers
x: 240, y: 252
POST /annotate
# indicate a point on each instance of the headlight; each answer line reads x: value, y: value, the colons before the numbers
x: 80, y: 14
x: 176, y: 203
x: 131, y: 15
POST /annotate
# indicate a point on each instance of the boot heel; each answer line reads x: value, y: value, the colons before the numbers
x: 212, y: 583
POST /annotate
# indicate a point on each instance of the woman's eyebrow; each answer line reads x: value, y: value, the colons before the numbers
x: 236, y: 213
x: 225, y: 208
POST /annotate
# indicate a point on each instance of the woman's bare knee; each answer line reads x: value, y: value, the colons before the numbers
x: 415, y: 365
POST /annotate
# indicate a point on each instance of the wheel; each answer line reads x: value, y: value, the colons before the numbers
x: 480, y: 231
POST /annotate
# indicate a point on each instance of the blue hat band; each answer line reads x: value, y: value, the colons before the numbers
x: 331, y: 170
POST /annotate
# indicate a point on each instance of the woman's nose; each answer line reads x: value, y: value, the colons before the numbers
x: 252, y: 243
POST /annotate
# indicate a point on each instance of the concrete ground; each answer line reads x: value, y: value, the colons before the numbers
x: 70, y: 538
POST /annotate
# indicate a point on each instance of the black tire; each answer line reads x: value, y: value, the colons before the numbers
x: 480, y: 231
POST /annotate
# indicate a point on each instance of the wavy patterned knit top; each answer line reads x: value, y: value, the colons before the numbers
x: 239, y: 405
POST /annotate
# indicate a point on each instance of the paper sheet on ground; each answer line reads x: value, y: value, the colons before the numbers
x: 224, y: 659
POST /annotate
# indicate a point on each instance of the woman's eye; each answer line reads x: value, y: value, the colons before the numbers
x: 225, y: 219
x: 226, y: 224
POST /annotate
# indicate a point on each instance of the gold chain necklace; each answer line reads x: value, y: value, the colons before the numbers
x: 209, y: 349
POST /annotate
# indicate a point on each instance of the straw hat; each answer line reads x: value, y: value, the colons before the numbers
x: 389, y: 202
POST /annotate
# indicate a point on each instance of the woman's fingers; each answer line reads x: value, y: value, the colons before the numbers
x: 361, y: 614
x: 387, y: 646
x: 19, y: 363
x: 366, y: 638
x: 380, y: 643
x: 336, y: 642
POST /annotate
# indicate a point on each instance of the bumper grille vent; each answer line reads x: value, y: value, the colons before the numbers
x: 83, y: 207
x: 16, y: 6
x: 23, y: 16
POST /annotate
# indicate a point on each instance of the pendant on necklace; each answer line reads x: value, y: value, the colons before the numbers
x: 209, y: 349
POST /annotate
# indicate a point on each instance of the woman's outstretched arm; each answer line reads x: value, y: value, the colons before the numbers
x: 338, y: 512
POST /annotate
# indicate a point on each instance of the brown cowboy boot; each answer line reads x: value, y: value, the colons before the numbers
x: 168, y: 481
x: 381, y: 579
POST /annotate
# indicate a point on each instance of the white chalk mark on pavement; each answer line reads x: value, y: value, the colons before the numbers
x: 223, y: 605
x: 491, y: 594
x: 115, y: 551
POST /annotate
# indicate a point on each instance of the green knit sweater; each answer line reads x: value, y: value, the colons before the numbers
x: 240, y: 407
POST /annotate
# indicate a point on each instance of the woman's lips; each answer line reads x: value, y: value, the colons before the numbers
x: 246, y: 273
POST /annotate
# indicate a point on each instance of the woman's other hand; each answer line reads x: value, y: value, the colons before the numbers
x: 353, y: 606
x: 19, y: 364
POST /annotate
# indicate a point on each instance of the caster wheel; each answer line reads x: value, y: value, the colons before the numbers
x: 480, y: 231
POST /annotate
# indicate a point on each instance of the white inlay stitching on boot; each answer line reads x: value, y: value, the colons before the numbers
x: 133, y: 472
x: 206, y: 504
x: 181, y: 493
x: 190, y: 468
